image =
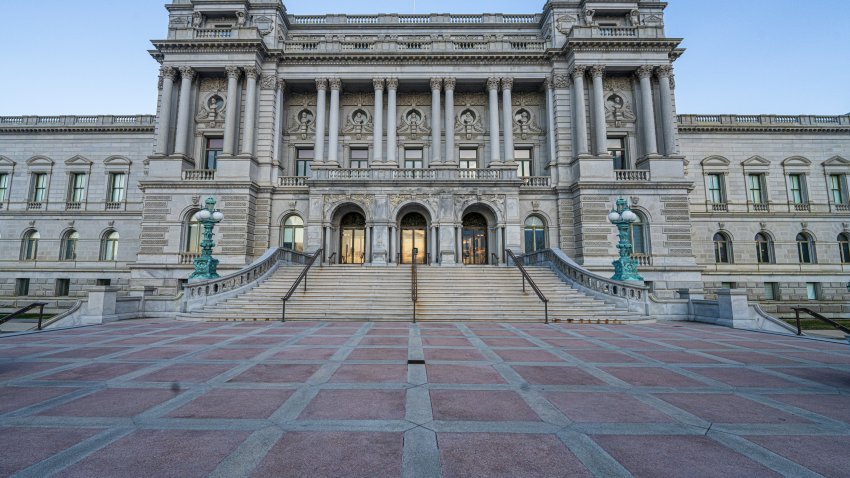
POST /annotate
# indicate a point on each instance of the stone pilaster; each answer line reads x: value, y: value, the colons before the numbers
x: 600, y: 130
x: 449, y: 86
x: 644, y: 73
x: 333, y: 123
x: 508, y: 119
x: 580, y: 111
x: 664, y: 74
x: 231, y: 118
x: 493, y: 91
x: 392, y: 147
x: 251, y: 74
x: 168, y: 74
x: 436, y: 144
x: 184, y: 113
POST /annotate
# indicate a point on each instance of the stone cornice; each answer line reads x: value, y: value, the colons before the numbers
x: 666, y: 45
x: 4, y: 129
x: 209, y: 46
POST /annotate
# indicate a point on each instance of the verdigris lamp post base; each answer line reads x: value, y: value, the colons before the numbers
x: 625, y: 268
x: 205, y: 265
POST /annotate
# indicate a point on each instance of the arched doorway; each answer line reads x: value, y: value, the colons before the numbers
x: 414, y: 233
x: 474, y: 236
x: 352, y: 239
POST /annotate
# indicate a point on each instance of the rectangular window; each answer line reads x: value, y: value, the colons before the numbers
x: 755, y: 186
x: 617, y: 150
x: 117, y: 186
x: 522, y: 156
x: 39, y: 187
x: 727, y: 285
x: 78, y: 187
x: 63, y: 287
x: 359, y: 158
x: 771, y: 291
x: 468, y: 158
x: 103, y: 282
x: 715, y: 189
x: 303, y: 160
x: 22, y: 287
x: 213, y: 149
x: 836, y: 188
x: 797, y: 184
x: 4, y: 186
x: 413, y: 158
x: 811, y: 290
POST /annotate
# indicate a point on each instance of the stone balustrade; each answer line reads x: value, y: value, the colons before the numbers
x: 535, y: 181
x: 461, y: 175
x: 642, y: 259
x: 185, y: 258
x: 198, y: 174
x: 292, y: 181
x: 434, y: 18
x: 408, y: 43
x: 580, y: 32
x: 764, y: 120
x: 72, y: 120
x: 631, y: 175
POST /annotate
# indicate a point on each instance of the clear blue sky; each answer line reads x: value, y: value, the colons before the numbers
x: 744, y: 56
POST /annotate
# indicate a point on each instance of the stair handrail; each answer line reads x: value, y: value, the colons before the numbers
x: 817, y: 316
x: 496, y: 257
x: 302, y: 276
x: 26, y: 309
x: 331, y: 258
x: 526, y: 277
x: 414, y: 285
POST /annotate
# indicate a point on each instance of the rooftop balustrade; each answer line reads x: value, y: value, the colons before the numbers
x: 408, y: 43
x: 56, y: 121
x: 764, y: 120
x: 433, y: 18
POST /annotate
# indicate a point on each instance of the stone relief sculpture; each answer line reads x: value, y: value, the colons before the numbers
x: 588, y: 16
x: 414, y: 123
x: 524, y: 124
x: 565, y: 23
x: 359, y: 122
x: 618, y: 102
x: 213, y: 101
x: 468, y: 123
x: 303, y: 123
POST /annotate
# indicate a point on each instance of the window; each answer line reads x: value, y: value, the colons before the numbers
x: 117, y: 186
x: 837, y: 185
x: 68, y: 248
x: 4, y: 186
x: 468, y: 158
x: 812, y: 291
x: 293, y: 234
x: 303, y: 160
x: 728, y: 285
x: 359, y: 158
x: 535, y: 234
x: 22, y: 287
x: 29, y: 246
x: 806, y: 248
x: 797, y: 184
x: 193, y: 235
x: 213, y: 149
x: 755, y: 186
x: 109, y: 246
x: 722, y: 249
x: 844, y: 247
x: 771, y: 291
x: 764, y: 248
x: 716, y: 192
x: 413, y: 158
x: 39, y: 187
x: 103, y: 282
x: 62, y: 287
x: 639, y: 230
x: 617, y: 150
x: 522, y: 156
x: 77, y: 193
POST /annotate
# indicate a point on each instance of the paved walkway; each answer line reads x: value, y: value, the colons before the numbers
x: 181, y: 399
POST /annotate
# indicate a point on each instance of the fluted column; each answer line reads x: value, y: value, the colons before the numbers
x: 663, y: 73
x: 231, y: 117
x: 493, y: 91
x: 184, y: 115
x: 392, y: 88
x: 436, y: 144
x: 508, y: 118
x: 549, y: 85
x: 168, y: 74
x: 647, y: 110
x: 321, y: 109
x: 378, y: 122
x: 580, y: 110
x: 250, y: 111
x: 280, y: 86
x: 333, y: 123
x: 449, y: 86
x: 600, y: 127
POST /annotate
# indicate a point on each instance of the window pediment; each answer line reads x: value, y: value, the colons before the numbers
x: 715, y: 164
x: 117, y: 162
x: 796, y: 161
x: 835, y: 164
x: 6, y: 163
x: 40, y: 162
x: 78, y: 161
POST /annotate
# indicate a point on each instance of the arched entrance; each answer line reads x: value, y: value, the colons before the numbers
x: 414, y: 234
x: 352, y: 239
x: 474, y: 239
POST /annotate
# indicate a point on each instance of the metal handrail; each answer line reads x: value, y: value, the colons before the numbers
x: 495, y: 258
x: 414, y: 285
x: 24, y: 310
x: 526, y: 277
x: 301, y: 276
x: 817, y: 316
x: 331, y: 258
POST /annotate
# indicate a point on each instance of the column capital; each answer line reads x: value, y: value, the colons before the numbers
x: 507, y: 83
x: 492, y: 84
x: 321, y: 84
x: 392, y: 83
x: 436, y: 84
x: 251, y: 72
x: 168, y: 72
x: 449, y: 83
x: 187, y: 73
x: 335, y: 83
x: 644, y: 71
x: 378, y: 83
x: 281, y: 84
x: 233, y: 72
x: 579, y: 71
x: 664, y: 71
x: 597, y: 71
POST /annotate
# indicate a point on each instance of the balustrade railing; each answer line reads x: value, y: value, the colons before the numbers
x: 718, y: 206
x: 188, y: 257
x: 435, y: 18
x: 419, y: 174
x: 758, y: 206
x: 309, y: 43
x: 535, y: 181
x: 35, y: 205
x: 73, y: 206
x: 801, y: 207
x: 764, y: 120
x: 113, y: 205
x: 292, y: 181
x: 198, y: 174
x: 631, y: 174
x: 72, y: 120
x: 643, y: 259
x: 213, y: 33
x: 618, y: 32
x: 841, y: 207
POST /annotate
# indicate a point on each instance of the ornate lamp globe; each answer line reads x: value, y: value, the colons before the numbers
x: 613, y: 216
x: 204, y: 214
x: 628, y: 215
x: 217, y: 216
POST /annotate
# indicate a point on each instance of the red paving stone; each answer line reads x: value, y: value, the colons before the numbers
x: 283, y: 373
x: 231, y: 354
x: 836, y: 407
x: 824, y: 376
x: 356, y: 405
x: 115, y: 402
x: 742, y: 377
x: 651, y: 377
x: 520, y: 355
x: 602, y: 356
x: 21, y: 447
x: 453, y: 354
x: 728, y: 408
x: 304, y: 353
x: 480, y: 405
x: 605, y: 408
x: 817, y: 453
x: 555, y: 375
x: 194, y: 373
x: 378, y: 354
x: 446, y: 342
x: 12, y: 370
x: 245, y: 404
x: 96, y: 371
x: 14, y: 398
x: 157, y: 353
x: 377, y: 373
x: 475, y: 374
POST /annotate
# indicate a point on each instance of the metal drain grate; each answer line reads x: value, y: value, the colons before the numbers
x: 416, y: 362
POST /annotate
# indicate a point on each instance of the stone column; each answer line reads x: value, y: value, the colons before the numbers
x: 449, y: 85
x: 184, y: 115
x: 280, y: 85
x: 436, y: 144
x: 493, y: 90
x: 168, y: 73
x: 600, y: 128
x: 549, y: 85
x: 647, y: 110
x: 580, y: 111
x: 333, y: 123
x: 508, y: 119
x: 392, y: 147
x: 321, y: 109
x: 250, y: 111
x: 663, y: 73
x: 231, y: 117
x: 378, y: 122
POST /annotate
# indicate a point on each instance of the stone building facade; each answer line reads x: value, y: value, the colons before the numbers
x: 458, y: 135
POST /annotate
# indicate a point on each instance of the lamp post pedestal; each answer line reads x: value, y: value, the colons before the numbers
x: 625, y: 268
x: 206, y: 265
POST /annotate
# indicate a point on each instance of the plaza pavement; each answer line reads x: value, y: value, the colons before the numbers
x: 184, y: 399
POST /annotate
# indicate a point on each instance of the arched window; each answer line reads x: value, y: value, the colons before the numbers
x: 192, y: 241
x: 109, y: 246
x: 68, y: 249
x: 640, y: 234
x: 29, y: 245
x: 722, y: 248
x: 535, y: 234
x: 764, y: 248
x: 844, y: 247
x: 806, y: 249
x: 293, y: 234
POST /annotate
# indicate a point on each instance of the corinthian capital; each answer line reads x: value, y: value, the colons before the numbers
x: 378, y: 83
x: 187, y: 73
x: 579, y: 71
x: 168, y: 72
x: 321, y: 84
x: 597, y: 71
x: 492, y: 84
x: 335, y: 83
x: 233, y: 72
x: 664, y: 71
x: 251, y: 72
x: 449, y: 83
x: 392, y: 83
x: 644, y: 71
x: 436, y: 84
x: 507, y: 83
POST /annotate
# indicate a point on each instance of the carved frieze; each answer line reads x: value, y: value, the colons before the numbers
x: 527, y: 99
x: 463, y: 201
x: 565, y: 23
x: 414, y: 99
x: 302, y: 122
x: 357, y: 99
x: 471, y: 99
x: 365, y: 201
x: 432, y: 200
x: 213, y: 84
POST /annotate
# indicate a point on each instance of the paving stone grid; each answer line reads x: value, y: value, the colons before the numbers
x: 147, y: 398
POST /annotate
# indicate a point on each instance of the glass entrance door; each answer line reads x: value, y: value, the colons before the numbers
x: 352, y: 244
x: 414, y: 235
x: 474, y: 239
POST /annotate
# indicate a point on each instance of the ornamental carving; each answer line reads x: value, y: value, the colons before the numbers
x: 463, y: 201
x: 268, y: 82
x: 335, y: 83
x: 634, y: 17
x: 525, y: 124
x: 213, y: 84
x: 471, y: 99
x: 212, y: 110
x: 579, y: 71
x: 363, y: 200
x: 492, y: 84
x: 449, y: 83
x: 565, y: 23
x: 618, y: 101
x: 588, y: 16
x: 398, y: 199
x: 358, y: 123
x: 468, y: 123
x: 527, y: 99
x: 392, y: 83
x: 302, y: 122
x: 436, y: 84
x: 414, y: 99
x: 597, y: 71
x: 357, y: 99
x: 644, y: 71
x: 653, y: 20
x: 301, y: 99
x: 378, y: 83
x: 507, y: 83
x: 414, y: 123
x: 561, y: 81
